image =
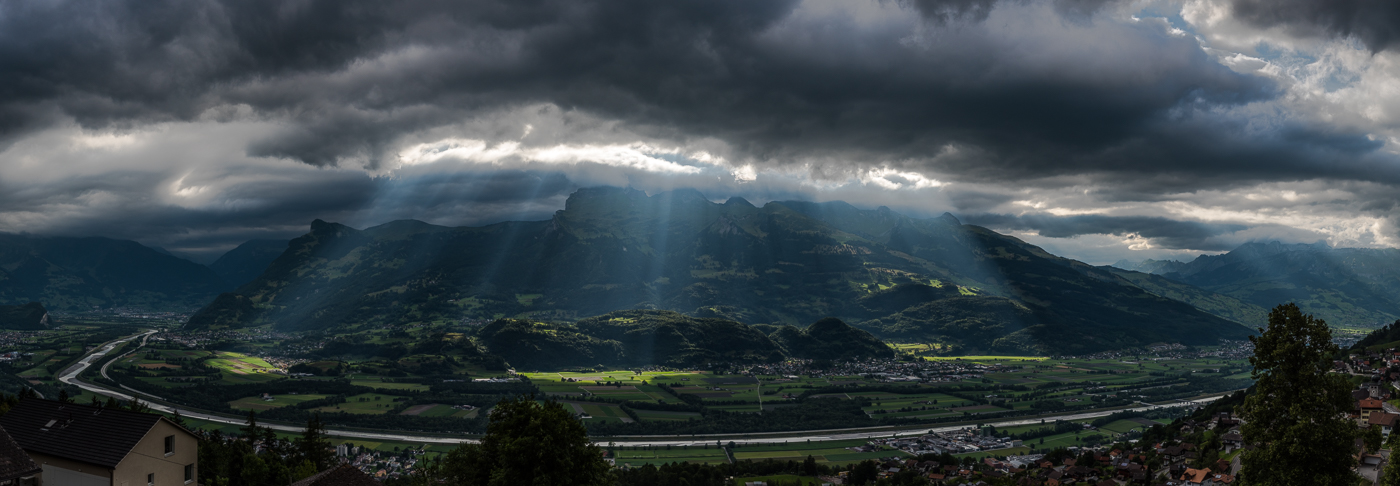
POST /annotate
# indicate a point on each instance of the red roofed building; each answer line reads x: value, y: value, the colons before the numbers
x: 1368, y: 407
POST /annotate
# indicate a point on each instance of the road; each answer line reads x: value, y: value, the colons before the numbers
x: 70, y: 376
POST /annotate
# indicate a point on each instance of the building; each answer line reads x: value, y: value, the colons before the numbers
x: 342, y: 475
x: 79, y: 445
x: 1369, y: 406
x: 16, y: 468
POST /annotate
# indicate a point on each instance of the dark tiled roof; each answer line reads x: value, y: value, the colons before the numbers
x: 342, y: 475
x: 14, y: 463
x: 100, y: 436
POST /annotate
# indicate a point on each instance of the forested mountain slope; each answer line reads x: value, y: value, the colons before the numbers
x: 784, y: 263
x: 80, y: 274
x: 1357, y: 287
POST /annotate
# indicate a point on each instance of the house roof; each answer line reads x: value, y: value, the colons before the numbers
x: 14, y: 463
x: 342, y: 475
x: 94, y: 435
x: 1195, y: 475
x: 1382, y: 419
x: 1370, y: 403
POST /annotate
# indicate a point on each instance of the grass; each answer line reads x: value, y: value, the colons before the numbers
x: 258, y: 404
x: 440, y: 410
x: 376, y: 383
x: 1122, y: 426
x: 364, y: 403
x: 659, y: 415
x: 979, y: 359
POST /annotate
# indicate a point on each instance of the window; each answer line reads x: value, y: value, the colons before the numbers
x: 169, y: 445
x: 189, y: 473
x: 151, y: 479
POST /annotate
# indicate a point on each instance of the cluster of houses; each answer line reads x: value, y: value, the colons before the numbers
x: 1173, y: 463
x: 380, y: 465
x: 1161, y: 351
x: 199, y: 339
x: 952, y: 442
x: 884, y: 370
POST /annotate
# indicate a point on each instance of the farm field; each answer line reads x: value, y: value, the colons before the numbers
x: 660, y: 415
x: 258, y: 404
x: 834, y: 452
x: 658, y: 456
x: 366, y: 403
x: 376, y: 382
x: 439, y: 410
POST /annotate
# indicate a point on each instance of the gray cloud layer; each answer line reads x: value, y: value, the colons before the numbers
x: 993, y: 96
x: 1374, y: 22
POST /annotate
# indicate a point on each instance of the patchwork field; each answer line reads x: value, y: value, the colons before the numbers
x: 439, y: 410
x: 258, y: 404
x: 694, y: 455
x: 366, y: 403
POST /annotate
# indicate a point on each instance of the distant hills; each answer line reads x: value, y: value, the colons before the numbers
x: 80, y: 274
x: 31, y: 316
x: 244, y: 263
x: 1353, y: 287
x: 784, y: 264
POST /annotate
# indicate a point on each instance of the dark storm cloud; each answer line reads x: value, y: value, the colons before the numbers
x: 1163, y: 232
x: 946, y: 11
x: 352, y: 77
x: 1376, y: 23
x: 996, y: 99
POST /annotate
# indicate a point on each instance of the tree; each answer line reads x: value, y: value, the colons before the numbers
x: 1372, y: 437
x: 313, y: 445
x: 1296, y: 415
x: 250, y: 431
x: 528, y: 442
x: 1391, y: 475
x: 865, y: 472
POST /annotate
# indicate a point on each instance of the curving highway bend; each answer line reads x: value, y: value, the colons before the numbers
x: 70, y: 376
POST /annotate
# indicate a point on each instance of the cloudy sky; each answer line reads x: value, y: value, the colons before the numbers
x: 1099, y: 129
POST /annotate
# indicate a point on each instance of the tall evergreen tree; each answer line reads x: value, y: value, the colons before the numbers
x: 251, y: 431
x: 313, y: 445
x: 1297, y: 414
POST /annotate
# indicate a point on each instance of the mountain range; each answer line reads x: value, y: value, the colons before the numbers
x: 80, y: 274
x: 1349, y: 287
x: 783, y: 264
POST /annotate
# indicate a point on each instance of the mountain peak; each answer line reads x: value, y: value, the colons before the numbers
x: 738, y: 201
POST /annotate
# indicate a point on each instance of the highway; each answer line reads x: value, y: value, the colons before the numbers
x: 70, y: 376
